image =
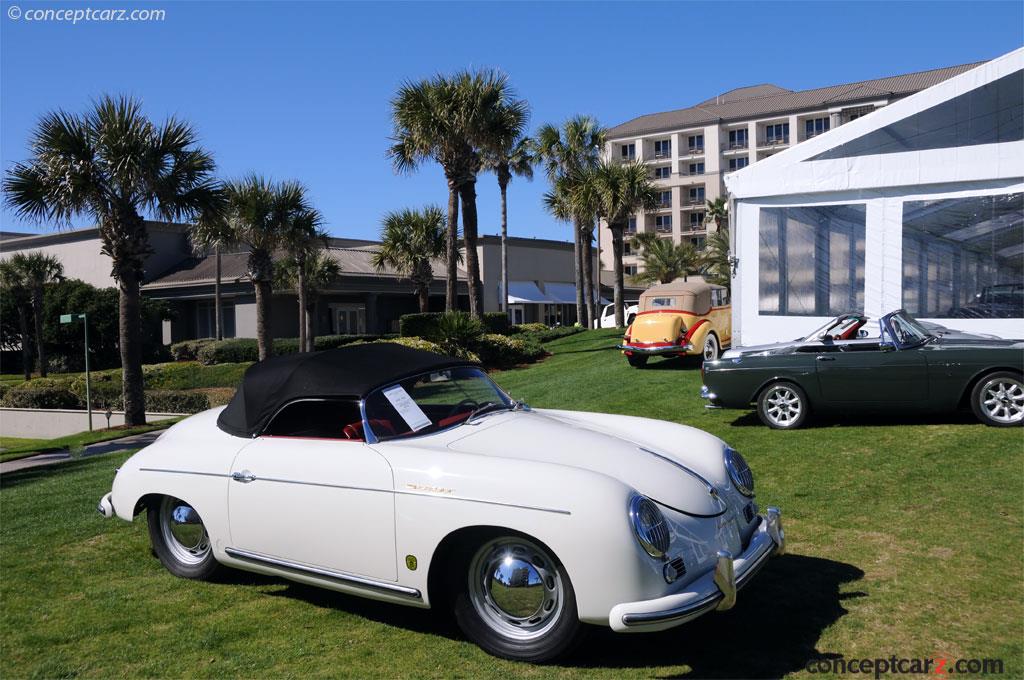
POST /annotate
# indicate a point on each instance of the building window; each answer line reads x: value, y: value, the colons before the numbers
x: 630, y: 269
x: 695, y: 143
x: 777, y: 133
x: 663, y: 172
x: 696, y: 195
x: 696, y: 220
x: 348, y: 318
x: 205, y: 319
x: 627, y: 152
x: 627, y: 248
x: 696, y: 168
x: 738, y: 139
x: 698, y: 242
x: 662, y: 148
x: 631, y: 225
x: 811, y: 260
x: 964, y: 257
x: 989, y: 114
x: 815, y: 126
x: 664, y: 199
x: 663, y: 223
x: 738, y: 163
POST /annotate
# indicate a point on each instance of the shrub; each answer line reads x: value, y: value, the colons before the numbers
x: 105, y: 390
x: 335, y: 341
x: 502, y: 351
x: 233, y: 351
x: 40, y: 393
x: 187, y: 349
x: 419, y: 325
x: 496, y: 322
x: 176, y: 401
x: 549, y: 334
x: 529, y: 328
x: 428, y: 346
x: 457, y: 330
x: 191, y: 375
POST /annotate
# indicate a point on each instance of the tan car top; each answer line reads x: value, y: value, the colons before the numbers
x: 689, y: 296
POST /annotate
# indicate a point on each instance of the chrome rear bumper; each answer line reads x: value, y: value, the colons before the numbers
x: 654, y: 351
x: 715, y: 590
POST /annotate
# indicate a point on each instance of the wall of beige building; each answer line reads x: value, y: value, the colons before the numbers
x: 546, y: 261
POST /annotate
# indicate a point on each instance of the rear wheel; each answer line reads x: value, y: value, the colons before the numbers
x: 516, y: 601
x: 998, y: 399
x: 180, y: 539
x: 637, y: 360
x: 783, y: 406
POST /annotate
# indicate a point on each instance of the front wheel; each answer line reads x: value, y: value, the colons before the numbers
x: 180, y: 539
x: 711, y: 349
x: 516, y: 601
x: 998, y: 399
x: 637, y: 360
x: 783, y: 406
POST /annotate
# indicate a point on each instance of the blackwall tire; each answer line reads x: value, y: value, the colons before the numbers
x: 180, y: 539
x: 637, y: 360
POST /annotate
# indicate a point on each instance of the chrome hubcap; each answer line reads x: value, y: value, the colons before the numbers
x: 782, y: 406
x: 711, y: 348
x: 515, y: 588
x: 183, y: 531
x: 1003, y: 400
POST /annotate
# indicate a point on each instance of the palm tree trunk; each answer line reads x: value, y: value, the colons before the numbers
x: 467, y: 194
x: 620, y: 284
x: 130, y: 338
x: 311, y: 325
x: 264, y: 341
x: 423, y: 293
x: 26, y: 346
x: 451, y: 291
x: 37, y: 314
x: 301, y: 290
x: 588, y: 275
x: 578, y: 261
x: 218, y: 313
x: 503, y: 301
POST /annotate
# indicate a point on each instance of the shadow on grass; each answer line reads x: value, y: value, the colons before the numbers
x: 773, y: 630
x: 868, y: 419
x: 33, y: 474
x: 674, y: 364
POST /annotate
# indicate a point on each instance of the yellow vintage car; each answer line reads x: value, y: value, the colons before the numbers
x: 677, y: 319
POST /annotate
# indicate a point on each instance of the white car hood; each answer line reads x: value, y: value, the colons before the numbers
x: 658, y: 474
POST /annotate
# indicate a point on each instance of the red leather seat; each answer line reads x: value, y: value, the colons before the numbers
x: 354, y: 431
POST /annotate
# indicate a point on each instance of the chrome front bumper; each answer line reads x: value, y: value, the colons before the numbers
x: 715, y: 590
x: 654, y: 351
x: 706, y: 393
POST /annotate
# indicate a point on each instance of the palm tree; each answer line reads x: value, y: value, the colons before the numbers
x: 320, y: 271
x: 114, y: 165
x: 515, y: 159
x: 715, y: 260
x: 453, y: 120
x: 303, y: 237
x: 213, y: 231
x: 621, y: 190
x: 13, y: 285
x: 410, y: 239
x: 663, y: 261
x: 37, y: 270
x: 568, y: 153
x: 261, y: 213
x: 717, y: 212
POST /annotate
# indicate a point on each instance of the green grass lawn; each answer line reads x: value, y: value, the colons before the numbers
x: 20, y: 448
x: 905, y: 539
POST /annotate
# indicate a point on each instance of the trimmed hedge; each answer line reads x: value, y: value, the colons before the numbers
x: 549, y: 334
x: 238, y: 350
x: 496, y: 322
x: 175, y: 401
x: 422, y: 325
x: 187, y: 350
x: 428, y: 346
x: 502, y: 351
x: 40, y: 393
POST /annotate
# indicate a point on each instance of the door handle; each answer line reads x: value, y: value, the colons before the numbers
x: 244, y: 476
x: 822, y: 357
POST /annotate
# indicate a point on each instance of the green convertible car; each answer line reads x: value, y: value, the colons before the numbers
x: 908, y: 367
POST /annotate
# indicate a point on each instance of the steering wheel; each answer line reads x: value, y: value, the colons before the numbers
x: 464, y: 405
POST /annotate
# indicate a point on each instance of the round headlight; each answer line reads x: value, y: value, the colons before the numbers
x: 649, y: 526
x: 739, y: 472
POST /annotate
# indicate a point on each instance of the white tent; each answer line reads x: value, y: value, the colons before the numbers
x: 918, y: 205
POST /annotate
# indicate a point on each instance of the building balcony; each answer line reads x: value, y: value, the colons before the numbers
x: 625, y: 159
x: 694, y: 151
x: 735, y: 146
x: 773, y: 142
x: 693, y: 204
x: 663, y: 230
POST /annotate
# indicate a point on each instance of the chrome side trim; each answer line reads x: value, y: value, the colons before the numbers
x: 343, y: 577
x: 185, y: 472
x: 556, y: 511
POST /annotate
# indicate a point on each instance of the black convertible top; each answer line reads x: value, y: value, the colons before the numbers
x: 353, y: 371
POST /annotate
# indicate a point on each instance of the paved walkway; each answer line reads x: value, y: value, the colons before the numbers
x: 135, y: 441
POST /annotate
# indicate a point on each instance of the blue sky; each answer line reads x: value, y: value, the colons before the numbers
x: 301, y: 90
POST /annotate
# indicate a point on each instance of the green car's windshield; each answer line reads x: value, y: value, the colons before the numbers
x: 432, y: 401
x: 907, y: 330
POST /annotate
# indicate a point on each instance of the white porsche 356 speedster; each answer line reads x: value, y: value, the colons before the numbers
x: 405, y: 476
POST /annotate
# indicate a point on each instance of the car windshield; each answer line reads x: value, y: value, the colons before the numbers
x: 907, y: 330
x: 433, y: 401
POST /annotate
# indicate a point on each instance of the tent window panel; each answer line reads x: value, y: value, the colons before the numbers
x: 811, y: 260
x: 964, y: 257
x: 989, y: 114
